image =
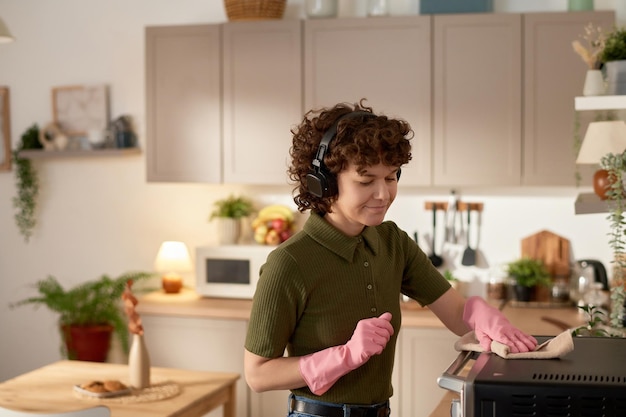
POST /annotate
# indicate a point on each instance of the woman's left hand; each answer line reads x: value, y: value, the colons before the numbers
x: 489, y: 324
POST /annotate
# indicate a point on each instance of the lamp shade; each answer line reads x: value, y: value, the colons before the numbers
x: 601, y: 139
x: 5, y: 34
x: 173, y: 257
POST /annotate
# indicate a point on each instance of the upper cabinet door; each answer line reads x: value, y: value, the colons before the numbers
x: 477, y: 99
x: 183, y: 103
x: 386, y: 61
x: 262, y: 99
x: 553, y: 76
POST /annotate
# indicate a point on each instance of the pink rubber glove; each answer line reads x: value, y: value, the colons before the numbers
x: 490, y: 324
x: 322, y: 369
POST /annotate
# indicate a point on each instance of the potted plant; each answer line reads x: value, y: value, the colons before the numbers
x: 527, y: 273
x: 89, y: 313
x: 615, y: 164
x: 229, y: 212
x: 614, y: 59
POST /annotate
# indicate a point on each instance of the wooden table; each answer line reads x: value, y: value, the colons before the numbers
x: 50, y: 389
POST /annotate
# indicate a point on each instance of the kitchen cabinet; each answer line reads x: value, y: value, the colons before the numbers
x: 477, y: 99
x: 183, y: 103
x: 221, y: 100
x: 507, y: 120
x: 262, y: 99
x: 553, y: 76
x: 424, y: 355
x: 385, y: 60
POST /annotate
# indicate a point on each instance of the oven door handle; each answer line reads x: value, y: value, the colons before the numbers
x: 450, y: 379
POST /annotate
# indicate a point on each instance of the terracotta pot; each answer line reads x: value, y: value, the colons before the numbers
x: 87, y: 343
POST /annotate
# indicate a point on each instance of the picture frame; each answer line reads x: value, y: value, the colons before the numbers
x: 5, y: 130
x: 79, y: 109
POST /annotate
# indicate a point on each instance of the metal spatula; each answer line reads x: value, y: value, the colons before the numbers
x: 469, y: 255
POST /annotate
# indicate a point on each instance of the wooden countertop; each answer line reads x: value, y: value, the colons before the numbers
x: 189, y: 304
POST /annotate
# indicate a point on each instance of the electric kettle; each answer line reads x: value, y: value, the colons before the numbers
x: 584, y: 273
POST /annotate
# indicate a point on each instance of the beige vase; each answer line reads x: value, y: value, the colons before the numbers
x: 228, y: 231
x: 139, y: 363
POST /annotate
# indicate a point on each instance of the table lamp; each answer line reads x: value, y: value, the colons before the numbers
x: 5, y: 34
x: 602, y: 138
x: 172, y: 259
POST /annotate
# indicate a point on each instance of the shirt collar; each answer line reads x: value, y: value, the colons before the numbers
x: 328, y: 236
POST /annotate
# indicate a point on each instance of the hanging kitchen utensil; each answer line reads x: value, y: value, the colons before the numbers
x: 435, y: 259
x: 450, y: 235
x: 469, y: 256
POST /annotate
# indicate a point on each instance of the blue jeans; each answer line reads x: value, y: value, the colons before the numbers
x: 346, y: 409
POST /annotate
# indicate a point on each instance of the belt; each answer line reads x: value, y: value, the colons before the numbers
x: 324, y: 410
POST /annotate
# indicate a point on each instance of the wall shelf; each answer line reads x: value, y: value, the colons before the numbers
x: 41, y: 154
x: 600, y: 103
x: 590, y: 203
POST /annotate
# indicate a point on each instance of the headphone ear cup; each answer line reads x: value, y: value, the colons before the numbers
x: 321, y: 186
x: 316, y: 183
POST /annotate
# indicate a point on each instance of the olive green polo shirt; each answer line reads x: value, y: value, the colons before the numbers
x: 315, y: 287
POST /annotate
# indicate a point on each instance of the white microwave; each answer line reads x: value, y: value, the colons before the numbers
x: 229, y: 271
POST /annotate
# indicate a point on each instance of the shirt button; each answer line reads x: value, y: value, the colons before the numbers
x: 366, y: 264
x: 369, y: 286
x: 373, y: 309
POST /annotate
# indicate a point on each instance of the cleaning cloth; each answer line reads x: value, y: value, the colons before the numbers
x: 556, y: 347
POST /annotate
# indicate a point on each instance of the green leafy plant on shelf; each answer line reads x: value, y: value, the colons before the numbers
x: 615, y: 164
x: 232, y: 207
x: 94, y: 302
x: 614, y: 46
x: 27, y: 184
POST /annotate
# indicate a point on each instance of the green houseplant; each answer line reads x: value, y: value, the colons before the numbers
x: 91, y: 309
x: 527, y: 274
x: 613, y: 57
x: 229, y: 212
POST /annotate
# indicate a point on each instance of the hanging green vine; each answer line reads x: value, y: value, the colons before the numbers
x: 27, y: 184
x: 616, y: 167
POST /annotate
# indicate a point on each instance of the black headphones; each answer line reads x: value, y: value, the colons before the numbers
x: 321, y: 183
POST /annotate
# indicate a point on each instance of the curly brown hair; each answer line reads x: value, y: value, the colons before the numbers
x: 363, y: 141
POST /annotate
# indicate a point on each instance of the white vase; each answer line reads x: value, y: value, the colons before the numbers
x: 594, y: 83
x: 321, y: 8
x: 139, y: 363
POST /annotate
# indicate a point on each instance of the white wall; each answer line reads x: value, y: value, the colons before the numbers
x: 99, y: 216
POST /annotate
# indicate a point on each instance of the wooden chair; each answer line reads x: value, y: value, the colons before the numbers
x: 98, y: 411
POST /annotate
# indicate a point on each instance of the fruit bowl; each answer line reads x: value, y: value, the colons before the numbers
x: 273, y: 225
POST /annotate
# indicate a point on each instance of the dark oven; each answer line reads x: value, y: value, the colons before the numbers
x: 590, y: 381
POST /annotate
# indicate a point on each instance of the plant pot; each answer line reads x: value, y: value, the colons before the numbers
x: 615, y: 77
x: 229, y: 230
x: 522, y: 293
x: 87, y: 343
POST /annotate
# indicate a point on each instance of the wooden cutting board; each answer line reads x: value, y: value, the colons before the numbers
x: 552, y: 249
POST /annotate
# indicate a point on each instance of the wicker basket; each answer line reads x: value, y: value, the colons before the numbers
x: 254, y: 9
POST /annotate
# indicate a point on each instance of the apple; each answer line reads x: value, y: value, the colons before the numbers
x: 285, y: 234
x: 272, y: 237
x: 279, y: 225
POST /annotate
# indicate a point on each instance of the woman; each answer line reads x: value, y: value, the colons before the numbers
x: 330, y: 294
